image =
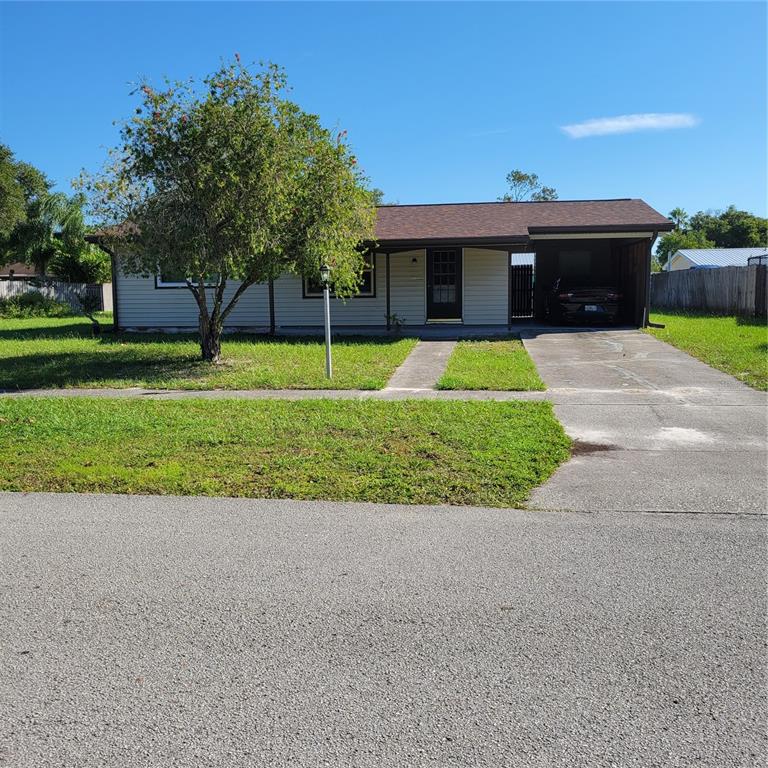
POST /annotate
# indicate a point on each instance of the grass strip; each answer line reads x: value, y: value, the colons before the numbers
x: 407, y: 452
x: 501, y: 365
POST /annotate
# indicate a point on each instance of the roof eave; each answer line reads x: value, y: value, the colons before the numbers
x: 617, y: 228
x: 500, y: 241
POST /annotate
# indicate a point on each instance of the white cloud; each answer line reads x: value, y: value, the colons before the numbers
x: 650, y: 121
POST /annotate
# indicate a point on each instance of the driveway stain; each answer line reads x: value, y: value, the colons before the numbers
x: 582, y: 447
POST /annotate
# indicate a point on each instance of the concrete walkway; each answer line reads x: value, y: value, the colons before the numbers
x: 556, y: 395
x: 423, y: 368
x: 390, y: 393
x: 655, y: 429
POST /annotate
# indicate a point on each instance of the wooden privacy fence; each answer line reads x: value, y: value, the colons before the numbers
x: 728, y: 290
x: 69, y: 293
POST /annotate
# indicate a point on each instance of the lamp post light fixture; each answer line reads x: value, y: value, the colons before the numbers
x: 325, y: 279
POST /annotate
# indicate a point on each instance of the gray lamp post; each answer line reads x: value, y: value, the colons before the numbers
x: 325, y: 279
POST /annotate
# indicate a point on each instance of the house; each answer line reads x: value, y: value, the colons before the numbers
x: 455, y: 263
x: 16, y: 269
x: 711, y: 258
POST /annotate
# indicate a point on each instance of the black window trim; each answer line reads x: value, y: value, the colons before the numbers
x: 372, y: 295
x: 162, y: 285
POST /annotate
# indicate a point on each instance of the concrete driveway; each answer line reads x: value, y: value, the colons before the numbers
x: 141, y: 631
x: 655, y: 429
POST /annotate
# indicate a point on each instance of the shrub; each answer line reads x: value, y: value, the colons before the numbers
x: 33, y: 304
x: 89, y: 306
x: 89, y: 265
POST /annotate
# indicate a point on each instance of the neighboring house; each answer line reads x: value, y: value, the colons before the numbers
x: 16, y: 269
x: 446, y: 263
x: 711, y: 258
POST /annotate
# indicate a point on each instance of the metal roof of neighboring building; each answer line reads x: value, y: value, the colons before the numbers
x: 720, y: 257
x: 486, y: 221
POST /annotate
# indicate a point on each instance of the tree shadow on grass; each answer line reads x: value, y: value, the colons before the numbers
x: 78, y: 369
x: 80, y: 329
x: 753, y: 322
x: 126, y: 359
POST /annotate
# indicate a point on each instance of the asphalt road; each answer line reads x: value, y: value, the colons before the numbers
x: 144, y: 632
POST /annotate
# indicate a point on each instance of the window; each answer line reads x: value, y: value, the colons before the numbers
x: 178, y: 280
x: 313, y: 289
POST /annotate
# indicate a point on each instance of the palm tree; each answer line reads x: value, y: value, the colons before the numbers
x: 54, y: 223
x: 680, y: 217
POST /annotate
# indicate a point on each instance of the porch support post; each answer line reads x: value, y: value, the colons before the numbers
x: 648, y: 260
x: 389, y: 323
x: 509, y: 290
x: 271, y: 287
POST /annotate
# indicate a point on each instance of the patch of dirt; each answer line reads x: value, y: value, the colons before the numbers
x: 582, y: 448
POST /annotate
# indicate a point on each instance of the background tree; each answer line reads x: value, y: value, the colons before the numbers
x: 230, y: 181
x: 679, y: 217
x: 378, y: 197
x: 673, y: 241
x: 526, y: 186
x: 54, y: 225
x: 87, y: 265
x: 730, y: 228
x: 21, y: 184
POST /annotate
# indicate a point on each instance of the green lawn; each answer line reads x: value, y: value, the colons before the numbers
x: 408, y: 452
x: 497, y: 365
x: 61, y: 352
x: 736, y: 345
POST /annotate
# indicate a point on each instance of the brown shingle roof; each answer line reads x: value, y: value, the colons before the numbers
x: 486, y: 221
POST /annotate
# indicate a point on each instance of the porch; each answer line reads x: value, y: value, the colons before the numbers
x: 485, y: 290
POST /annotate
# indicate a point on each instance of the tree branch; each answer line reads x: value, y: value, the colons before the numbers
x: 236, y: 297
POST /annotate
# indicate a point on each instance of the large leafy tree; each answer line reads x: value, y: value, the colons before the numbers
x: 229, y: 181
x: 526, y: 186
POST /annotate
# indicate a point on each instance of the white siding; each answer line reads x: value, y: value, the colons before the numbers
x: 141, y: 305
x: 408, y: 283
x: 292, y: 309
x: 486, y: 294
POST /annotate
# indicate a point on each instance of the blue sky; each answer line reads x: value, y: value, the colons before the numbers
x: 440, y: 99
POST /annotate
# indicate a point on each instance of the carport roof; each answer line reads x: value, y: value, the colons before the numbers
x: 514, y: 221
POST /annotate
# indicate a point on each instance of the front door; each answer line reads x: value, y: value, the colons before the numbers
x: 444, y: 284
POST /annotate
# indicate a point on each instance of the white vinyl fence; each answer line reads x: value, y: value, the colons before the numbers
x: 58, y: 290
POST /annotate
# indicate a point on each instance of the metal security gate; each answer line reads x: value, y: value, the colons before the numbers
x: 520, y: 291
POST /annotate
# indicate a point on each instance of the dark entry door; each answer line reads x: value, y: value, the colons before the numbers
x: 444, y: 284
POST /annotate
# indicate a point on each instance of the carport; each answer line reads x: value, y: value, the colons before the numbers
x: 596, y: 260
x: 587, y: 243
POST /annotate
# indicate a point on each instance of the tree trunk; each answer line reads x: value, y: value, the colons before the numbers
x: 210, y: 339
